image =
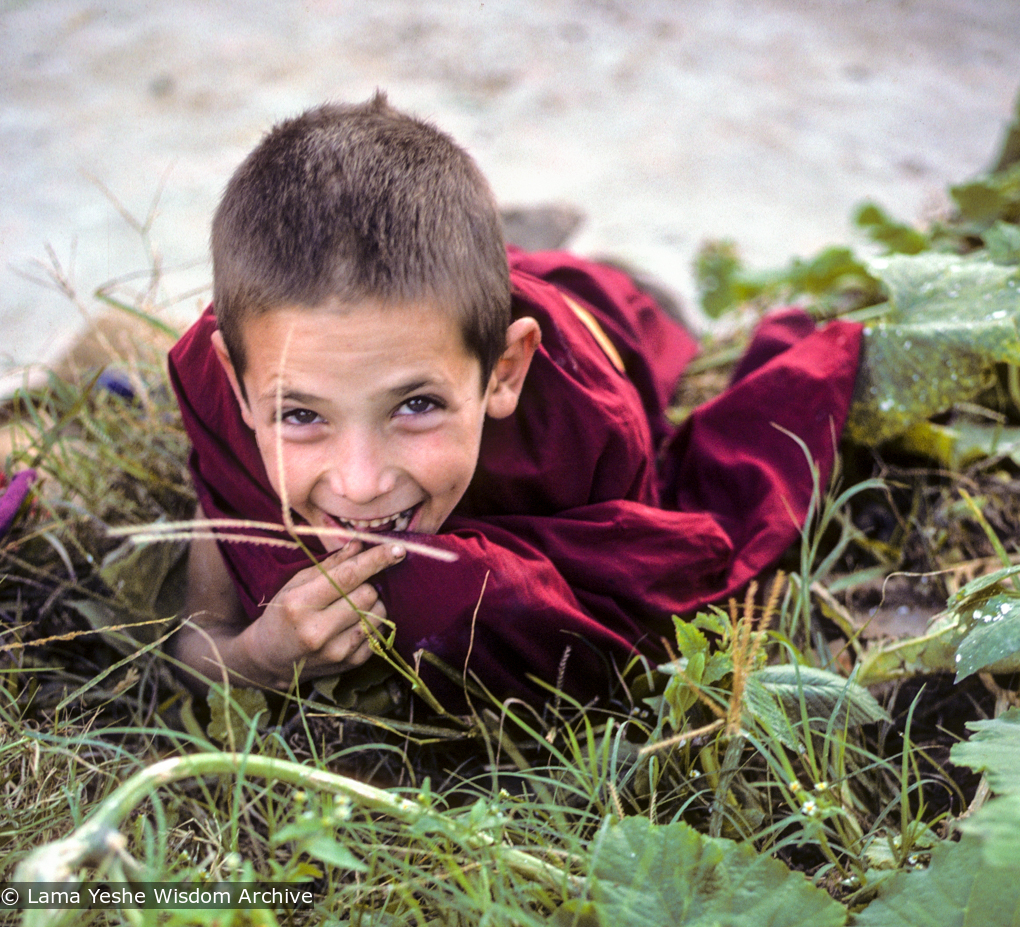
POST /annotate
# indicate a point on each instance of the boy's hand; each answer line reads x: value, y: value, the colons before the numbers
x: 317, y: 618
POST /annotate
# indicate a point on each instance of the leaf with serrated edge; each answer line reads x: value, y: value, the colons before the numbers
x: 950, y: 321
x: 226, y: 722
x: 821, y: 691
x: 956, y: 890
x: 984, y: 582
x: 992, y: 641
x: 648, y: 875
x: 994, y: 749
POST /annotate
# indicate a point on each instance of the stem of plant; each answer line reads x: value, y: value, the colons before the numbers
x: 98, y: 836
x: 730, y: 764
x: 993, y: 538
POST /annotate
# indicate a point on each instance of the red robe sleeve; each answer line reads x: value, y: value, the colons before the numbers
x: 588, y: 523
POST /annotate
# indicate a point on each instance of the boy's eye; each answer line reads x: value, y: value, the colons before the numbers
x: 418, y: 405
x: 300, y: 417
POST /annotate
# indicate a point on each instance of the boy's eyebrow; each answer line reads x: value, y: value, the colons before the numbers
x: 289, y: 395
x: 293, y: 395
x: 412, y: 387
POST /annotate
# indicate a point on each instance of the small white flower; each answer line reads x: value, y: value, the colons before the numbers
x: 232, y: 862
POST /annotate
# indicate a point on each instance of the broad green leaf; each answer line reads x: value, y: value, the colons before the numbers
x: 991, y: 196
x: 1002, y: 241
x: 370, y: 689
x: 148, y: 582
x: 945, y: 288
x: 231, y: 722
x: 980, y: 630
x: 136, y: 573
x: 314, y: 834
x: 648, y: 875
x: 994, y: 749
x: 102, y: 617
x: 770, y: 713
x: 830, y: 270
x: 330, y: 851
x: 997, y: 825
x: 956, y: 890
x: 719, y: 664
x: 881, y: 228
x: 932, y: 652
x: 979, y: 200
x: 773, y: 694
x: 983, y: 586
x: 689, y: 639
x: 986, y: 616
x: 886, y: 850
x: 695, y: 668
x: 950, y: 320
x: 685, y: 672
x: 992, y: 641
x: 724, y: 282
x: 717, y: 270
x: 712, y: 621
x: 958, y: 445
x: 680, y: 692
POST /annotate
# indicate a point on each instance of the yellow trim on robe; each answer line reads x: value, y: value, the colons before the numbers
x: 600, y: 336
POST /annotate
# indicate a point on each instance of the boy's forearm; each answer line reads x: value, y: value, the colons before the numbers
x: 207, y: 654
x: 215, y: 638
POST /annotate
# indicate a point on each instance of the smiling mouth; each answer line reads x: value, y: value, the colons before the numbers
x: 399, y: 522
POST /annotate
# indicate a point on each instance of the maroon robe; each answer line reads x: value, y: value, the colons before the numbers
x: 589, y: 520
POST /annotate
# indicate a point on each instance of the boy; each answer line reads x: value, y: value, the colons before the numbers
x: 375, y: 364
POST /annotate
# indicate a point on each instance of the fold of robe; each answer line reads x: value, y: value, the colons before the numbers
x: 589, y: 521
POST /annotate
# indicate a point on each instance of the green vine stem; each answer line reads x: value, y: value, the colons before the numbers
x: 98, y: 838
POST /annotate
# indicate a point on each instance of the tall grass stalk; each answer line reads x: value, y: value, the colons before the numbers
x: 824, y: 511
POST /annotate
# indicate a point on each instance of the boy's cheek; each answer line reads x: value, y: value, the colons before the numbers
x: 292, y: 478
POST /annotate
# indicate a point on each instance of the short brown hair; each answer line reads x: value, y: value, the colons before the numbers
x: 358, y: 202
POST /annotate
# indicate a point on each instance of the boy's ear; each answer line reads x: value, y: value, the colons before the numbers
x: 522, y: 340
x: 223, y: 355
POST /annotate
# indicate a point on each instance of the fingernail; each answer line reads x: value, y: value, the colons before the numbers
x: 397, y: 551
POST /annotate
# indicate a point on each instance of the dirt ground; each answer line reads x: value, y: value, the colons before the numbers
x: 667, y: 124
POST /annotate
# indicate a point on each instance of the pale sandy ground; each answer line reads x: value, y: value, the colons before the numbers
x: 667, y: 122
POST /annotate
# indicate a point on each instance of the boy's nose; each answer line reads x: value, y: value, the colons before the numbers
x: 358, y: 471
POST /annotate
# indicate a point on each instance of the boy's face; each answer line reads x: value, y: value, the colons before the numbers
x: 371, y: 417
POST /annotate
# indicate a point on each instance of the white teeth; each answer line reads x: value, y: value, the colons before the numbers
x: 398, y: 522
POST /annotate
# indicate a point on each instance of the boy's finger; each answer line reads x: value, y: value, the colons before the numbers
x: 358, y: 602
x: 348, y: 657
x: 326, y: 631
x: 310, y: 572
x: 365, y: 564
x: 347, y: 575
